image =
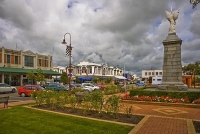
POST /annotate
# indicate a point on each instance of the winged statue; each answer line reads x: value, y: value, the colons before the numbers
x: 172, y: 17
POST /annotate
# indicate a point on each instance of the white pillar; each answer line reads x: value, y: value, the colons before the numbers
x: 2, y: 78
x: 21, y: 80
x: 49, y: 62
x: 35, y: 61
x: 22, y: 59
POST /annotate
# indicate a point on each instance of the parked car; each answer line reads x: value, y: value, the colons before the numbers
x: 90, y: 87
x: 138, y: 83
x: 27, y: 89
x: 57, y: 87
x: 101, y: 86
x: 7, y: 88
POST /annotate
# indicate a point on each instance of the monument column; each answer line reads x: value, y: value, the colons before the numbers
x: 172, y: 67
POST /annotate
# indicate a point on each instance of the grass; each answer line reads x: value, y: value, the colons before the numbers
x: 21, y: 120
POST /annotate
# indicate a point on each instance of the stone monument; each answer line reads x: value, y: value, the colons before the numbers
x: 172, y: 67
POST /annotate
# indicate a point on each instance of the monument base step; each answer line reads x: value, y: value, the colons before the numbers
x: 181, y: 87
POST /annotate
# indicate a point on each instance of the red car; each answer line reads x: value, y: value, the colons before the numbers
x: 101, y: 86
x: 27, y: 89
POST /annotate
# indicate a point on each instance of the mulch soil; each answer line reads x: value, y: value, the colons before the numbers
x: 197, y: 126
x: 120, y: 117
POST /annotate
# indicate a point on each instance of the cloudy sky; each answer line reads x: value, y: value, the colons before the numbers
x: 117, y: 32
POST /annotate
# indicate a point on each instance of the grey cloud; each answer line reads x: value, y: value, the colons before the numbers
x: 123, y: 33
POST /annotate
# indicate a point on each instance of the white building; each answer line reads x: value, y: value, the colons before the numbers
x: 134, y: 76
x: 151, y: 73
x: 59, y: 69
x: 87, y: 70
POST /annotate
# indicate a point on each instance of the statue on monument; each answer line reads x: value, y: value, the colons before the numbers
x: 172, y: 17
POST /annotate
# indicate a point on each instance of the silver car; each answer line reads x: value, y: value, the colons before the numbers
x: 7, y: 88
x: 90, y: 87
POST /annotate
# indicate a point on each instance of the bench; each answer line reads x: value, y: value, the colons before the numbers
x: 80, y: 95
x: 5, y: 101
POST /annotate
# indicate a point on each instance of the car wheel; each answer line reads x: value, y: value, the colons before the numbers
x: 23, y: 95
x: 13, y: 90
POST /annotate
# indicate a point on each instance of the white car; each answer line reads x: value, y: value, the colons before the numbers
x: 90, y: 87
x: 7, y: 88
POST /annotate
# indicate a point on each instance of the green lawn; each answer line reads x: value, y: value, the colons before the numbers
x: 21, y: 120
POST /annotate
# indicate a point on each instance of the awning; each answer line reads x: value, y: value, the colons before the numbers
x: 120, y: 77
x: 86, y: 79
x: 25, y: 71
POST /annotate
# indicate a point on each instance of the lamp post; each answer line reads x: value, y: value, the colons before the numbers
x: 69, y: 53
x: 102, y: 74
x: 194, y: 77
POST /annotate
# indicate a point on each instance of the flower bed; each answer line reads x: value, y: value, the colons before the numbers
x: 159, y: 99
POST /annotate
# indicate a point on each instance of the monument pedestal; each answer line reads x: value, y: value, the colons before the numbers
x: 172, y: 68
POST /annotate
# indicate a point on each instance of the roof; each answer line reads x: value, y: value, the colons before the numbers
x: 23, y: 70
x: 120, y: 77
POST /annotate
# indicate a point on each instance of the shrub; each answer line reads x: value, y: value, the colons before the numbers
x: 113, y: 105
x: 112, y: 89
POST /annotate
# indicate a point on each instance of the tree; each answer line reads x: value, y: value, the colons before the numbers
x: 31, y: 76
x: 108, y: 79
x: 96, y: 79
x: 194, y: 3
x: 39, y: 76
x: 192, y: 69
x: 64, y: 78
x: 77, y: 80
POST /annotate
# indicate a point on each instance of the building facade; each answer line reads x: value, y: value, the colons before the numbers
x: 87, y: 71
x: 151, y: 73
x: 15, y: 64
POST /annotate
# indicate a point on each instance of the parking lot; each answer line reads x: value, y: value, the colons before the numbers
x: 13, y: 97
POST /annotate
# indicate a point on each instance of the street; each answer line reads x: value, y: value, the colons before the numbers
x: 13, y: 97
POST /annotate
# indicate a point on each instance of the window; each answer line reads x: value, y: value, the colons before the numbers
x: 145, y: 73
x: 8, y: 59
x: 152, y: 73
x: 45, y: 63
x: 90, y: 70
x: 153, y: 79
x: 156, y: 73
x: 160, y: 73
x: 28, y: 88
x: 158, y: 79
x: 34, y: 88
x: 149, y: 73
x: 28, y: 61
x: 16, y: 59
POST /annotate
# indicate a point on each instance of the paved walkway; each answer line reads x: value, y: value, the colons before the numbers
x: 158, y: 119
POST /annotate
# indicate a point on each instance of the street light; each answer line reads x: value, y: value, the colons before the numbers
x: 69, y: 53
x: 103, y: 72
x: 194, y: 77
